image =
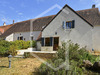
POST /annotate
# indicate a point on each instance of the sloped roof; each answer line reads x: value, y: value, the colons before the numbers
x: 92, y: 16
x: 39, y: 37
x: 5, y: 28
x: 24, y: 26
x: 0, y: 32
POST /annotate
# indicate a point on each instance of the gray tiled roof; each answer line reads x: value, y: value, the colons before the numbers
x: 91, y: 15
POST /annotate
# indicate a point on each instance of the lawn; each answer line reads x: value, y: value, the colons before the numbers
x: 19, y: 66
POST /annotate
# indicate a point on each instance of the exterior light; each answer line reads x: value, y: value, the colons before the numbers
x: 9, y: 58
x: 55, y: 33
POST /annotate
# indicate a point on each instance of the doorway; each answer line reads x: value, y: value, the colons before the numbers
x: 56, y: 43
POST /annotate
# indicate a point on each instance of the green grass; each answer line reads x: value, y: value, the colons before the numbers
x: 19, y: 66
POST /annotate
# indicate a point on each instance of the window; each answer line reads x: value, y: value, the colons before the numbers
x: 21, y: 38
x: 69, y: 25
x: 47, y: 41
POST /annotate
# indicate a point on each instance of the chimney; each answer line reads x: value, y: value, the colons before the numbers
x: 93, y: 6
x: 4, y: 24
x: 13, y: 21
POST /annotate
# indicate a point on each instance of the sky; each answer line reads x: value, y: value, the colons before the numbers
x: 21, y: 10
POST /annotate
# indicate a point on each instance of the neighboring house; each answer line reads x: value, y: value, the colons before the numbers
x: 21, y: 30
x: 4, y: 28
x: 80, y: 27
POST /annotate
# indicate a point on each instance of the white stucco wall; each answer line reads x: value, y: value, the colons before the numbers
x: 96, y: 38
x: 26, y: 35
x: 81, y: 34
x: 10, y: 37
x: 38, y: 45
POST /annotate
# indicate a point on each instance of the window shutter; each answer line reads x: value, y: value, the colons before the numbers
x: 64, y: 26
x: 73, y: 24
x: 18, y: 38
x: 51, y: 41
x: 42, y: 40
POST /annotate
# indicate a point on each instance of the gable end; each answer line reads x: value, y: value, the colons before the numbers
x: 73, y: 11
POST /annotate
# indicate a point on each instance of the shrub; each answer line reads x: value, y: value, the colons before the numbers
x: 76, y: 57
x: 12, y: 50
x: 33, y: 44
x: 4, y: 47
x: 11, y: 47
x: 18, y: 43
x: 24, y: 44
x: 3, y: 51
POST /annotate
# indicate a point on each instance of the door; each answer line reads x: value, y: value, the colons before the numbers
x: 56, y: 43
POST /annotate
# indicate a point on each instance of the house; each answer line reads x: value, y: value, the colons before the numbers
x: 80, y: 27
x: 4, y: 28
x: 21, y: 30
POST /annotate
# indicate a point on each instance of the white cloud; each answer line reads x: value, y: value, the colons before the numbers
x: 20, y: 13
x: 18, y: 20
x: 7, y: 20
x: 16, y: 11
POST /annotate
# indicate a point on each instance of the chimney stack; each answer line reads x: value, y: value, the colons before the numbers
x: 13, y: 21
x: 93, y: 6
x: 4, y: 24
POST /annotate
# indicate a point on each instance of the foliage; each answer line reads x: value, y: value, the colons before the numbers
x: 11, y: 47
x: 4, y: 47
x: 21, y: 44
x: 76, y: 57
x: 24, y: 44
x: 27, y: 55
x: 12, y: 50
x: 78, y: 54
x: 33, y: 44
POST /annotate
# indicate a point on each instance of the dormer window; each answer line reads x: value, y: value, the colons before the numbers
x: 68, y: 24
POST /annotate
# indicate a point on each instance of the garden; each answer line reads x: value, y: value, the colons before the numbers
x: 81, y: 62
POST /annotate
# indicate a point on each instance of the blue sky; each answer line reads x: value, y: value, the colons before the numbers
x: 21, y: 10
